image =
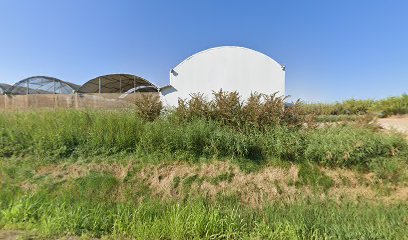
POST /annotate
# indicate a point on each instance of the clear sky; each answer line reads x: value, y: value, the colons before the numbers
x: 333, y: 50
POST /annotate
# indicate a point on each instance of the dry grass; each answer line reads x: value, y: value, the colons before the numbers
x: 177, y: 181
x: 221, y: 179
x: 73, y: 171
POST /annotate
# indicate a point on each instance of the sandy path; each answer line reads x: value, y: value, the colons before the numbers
x: 17, y: 234
x: 10, y: 234
x: 399, y: 124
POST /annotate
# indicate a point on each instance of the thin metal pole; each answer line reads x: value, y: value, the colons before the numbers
x: 134, y: 84
x: 28, y: 86
x: 54, y: 86
x: 99, y: 85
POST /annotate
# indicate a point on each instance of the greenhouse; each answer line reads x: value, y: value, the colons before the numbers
x: 117, y: 83
x: 42, y: 85
x: 229, y: 68
x: 4, y: 88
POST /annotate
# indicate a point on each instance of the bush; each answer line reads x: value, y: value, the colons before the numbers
x: 259, y: 110
x: 392, y: 105
x: 148, y: 106
x: 388, y: 106
x: 354, y: 106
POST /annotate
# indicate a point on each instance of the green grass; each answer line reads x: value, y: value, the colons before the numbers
x: 57, y: 135
x: 383, y: 107
x: 392, y: 105
x: 200, y: 219
x: 101, y: 204
x: 310, y: 175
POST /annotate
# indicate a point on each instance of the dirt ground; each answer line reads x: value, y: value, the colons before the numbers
x: 22, y: 235
x: 398, y: 123
x: 9, y: 235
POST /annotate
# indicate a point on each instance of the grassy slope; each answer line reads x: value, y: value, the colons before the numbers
x: 147, y: 180
x: 129, y: 198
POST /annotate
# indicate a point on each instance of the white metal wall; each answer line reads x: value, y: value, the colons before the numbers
x: 228, y: 68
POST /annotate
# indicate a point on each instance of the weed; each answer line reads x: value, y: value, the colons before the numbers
x: 148, y: 106
x: 225, y: 177
x: 200, y: 219
x: 311, y: 175
x: 121, y: 133
x: 176, y: 182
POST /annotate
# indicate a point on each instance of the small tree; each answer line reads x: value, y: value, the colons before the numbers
x: 148, y: 106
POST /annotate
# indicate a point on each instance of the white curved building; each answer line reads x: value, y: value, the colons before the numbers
x: 228, y: 68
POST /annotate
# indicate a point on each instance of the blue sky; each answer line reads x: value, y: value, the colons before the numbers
x: 333, y: 50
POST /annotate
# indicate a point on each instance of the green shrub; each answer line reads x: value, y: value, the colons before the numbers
x: 227, y: 108
x: 392, y: 105
x: 148, y: 106
x: 388, y: 106
x: 354, y: 106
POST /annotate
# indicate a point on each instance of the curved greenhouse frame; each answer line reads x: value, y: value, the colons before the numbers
x: 118, y: 83
x: 4, y: 88
x: 42, y: 85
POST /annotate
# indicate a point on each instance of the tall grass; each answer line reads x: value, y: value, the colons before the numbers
x: 200, y: 219
x: 384, y: 107
x: 55, y: 135
x: 392, y: 105
x: 67, y: 133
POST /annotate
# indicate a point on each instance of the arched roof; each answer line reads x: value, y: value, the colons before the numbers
x: 42, y: 85
x: 228, y: 68
x: 4, y: 88
x: 117, y: 83
x: 226, y: 47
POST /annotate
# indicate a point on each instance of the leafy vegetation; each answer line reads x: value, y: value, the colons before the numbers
x: 384, y: 107
x: 148, y: 106
x: 392, y: 105
x: 55, y: 135
x: 102, y: 173
x: 259, y: 111
x: 98, y: 204
x: 202, y: 220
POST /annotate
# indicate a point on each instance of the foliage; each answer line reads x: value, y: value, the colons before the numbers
x: 148, y: 106
x: 59, y: 134
x: 200, y: 219
x: 350, y: 146
x: 260, y: 130
x: 386, y: 107
x: 392, y: 105
x: 227, y: 108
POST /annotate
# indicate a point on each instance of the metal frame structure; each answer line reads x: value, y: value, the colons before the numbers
x: 4, y: 88
x: 42, y: 85
x: 117, y: 83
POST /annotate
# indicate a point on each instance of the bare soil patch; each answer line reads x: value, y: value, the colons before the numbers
x: 396, y: 123
x: 10, y: 234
